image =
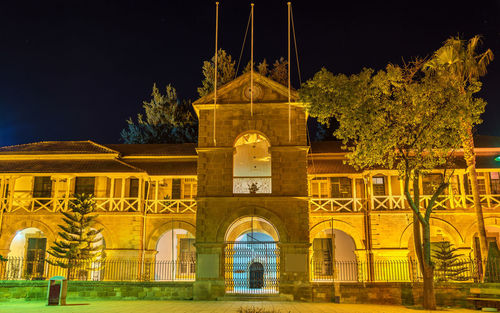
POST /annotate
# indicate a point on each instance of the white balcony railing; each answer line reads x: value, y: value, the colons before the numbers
x: 171, y: 206
x: 252, y: 185
x: 318, y: 205
x: 29, y: 204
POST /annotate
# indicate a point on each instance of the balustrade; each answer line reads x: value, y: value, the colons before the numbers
x: 61, y: 204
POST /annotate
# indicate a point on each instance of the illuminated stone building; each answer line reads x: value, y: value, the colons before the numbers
x: 253, y: 207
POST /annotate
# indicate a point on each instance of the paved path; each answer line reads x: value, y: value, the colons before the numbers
x: 203, y: 306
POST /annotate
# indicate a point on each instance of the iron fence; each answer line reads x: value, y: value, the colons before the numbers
x: 249, y: 268
x: 252, y: 267
x: 402, y: 270
x: 18, y: 268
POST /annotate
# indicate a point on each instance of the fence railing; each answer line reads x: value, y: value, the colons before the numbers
x: 29, y: 204
x: 17, y: 268
x: 401, y: 270
x: 398, y: 202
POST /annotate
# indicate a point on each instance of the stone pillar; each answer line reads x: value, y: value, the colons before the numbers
x: 294, y: 271
x: 209, y: 284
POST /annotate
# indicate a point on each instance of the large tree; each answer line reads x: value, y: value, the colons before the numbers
x: 168, y: 120
x: 80, y: 244
x: 463, y: 65
x: 400, y: 119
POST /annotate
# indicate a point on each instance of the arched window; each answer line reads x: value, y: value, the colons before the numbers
x: 251, y: 165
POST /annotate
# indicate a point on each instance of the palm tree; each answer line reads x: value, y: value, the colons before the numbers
x: 459, y: 61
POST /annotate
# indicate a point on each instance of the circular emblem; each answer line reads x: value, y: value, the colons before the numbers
x: 256, y: 93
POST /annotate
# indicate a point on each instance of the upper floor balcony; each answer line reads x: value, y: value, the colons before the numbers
x: 381, y: 191
x: 384, y: 192
x: 111, y: 194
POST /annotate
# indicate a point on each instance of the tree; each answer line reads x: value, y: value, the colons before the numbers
x: 226, y: 71
x: 449, y: 265
x: 279, y: 72
x: 168, y: 120
x: 459, y: 60
x: 398, y: 118
x: 80, y: 241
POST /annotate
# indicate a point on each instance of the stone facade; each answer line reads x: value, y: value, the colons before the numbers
x: 312, y: 195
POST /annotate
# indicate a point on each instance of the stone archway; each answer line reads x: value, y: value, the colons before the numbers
x: 172, y: 252
x: 251, y: 256
x: 333, y: 253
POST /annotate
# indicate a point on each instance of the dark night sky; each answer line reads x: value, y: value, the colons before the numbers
x: 75, y: 70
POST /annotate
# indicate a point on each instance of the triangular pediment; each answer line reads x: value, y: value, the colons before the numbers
x: 238, y: 91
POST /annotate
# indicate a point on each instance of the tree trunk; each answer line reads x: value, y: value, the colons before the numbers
x: 470, y: 159
x: 428, y: 292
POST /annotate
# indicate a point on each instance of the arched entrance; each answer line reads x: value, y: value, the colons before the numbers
x: 176, y: 256
x: 251, y: 256
x: 333, y: 256
x: 26, y: 259
x: 256, y: 275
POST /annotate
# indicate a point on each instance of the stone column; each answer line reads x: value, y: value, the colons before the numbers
x: 209, y: 283
x: 294, y: 271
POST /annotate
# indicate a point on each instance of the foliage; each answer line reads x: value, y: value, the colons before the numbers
x: 226, y: 71
x: 458, y: 63
x: 449, y: 265
x: 168, y: 120
x: 79, y: 241
x: 279, y: 72
x: 2, y: 258
x: 386, y: 115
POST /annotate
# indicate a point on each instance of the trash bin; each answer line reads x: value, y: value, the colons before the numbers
x: 56, y: 294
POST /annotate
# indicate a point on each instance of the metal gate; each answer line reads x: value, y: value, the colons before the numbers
x: 252, y: 267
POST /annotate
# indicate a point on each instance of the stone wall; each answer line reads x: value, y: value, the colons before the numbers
x: 82, y: 290
x: 447, y: 294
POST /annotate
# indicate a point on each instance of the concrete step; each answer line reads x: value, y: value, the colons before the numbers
x: 254, y: 297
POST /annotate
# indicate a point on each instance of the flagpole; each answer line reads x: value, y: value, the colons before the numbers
x: 289, y: 84
x: 251, y: 67
x: 215, y: 68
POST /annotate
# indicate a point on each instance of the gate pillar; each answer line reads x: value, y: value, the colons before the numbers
x: 209, y: 284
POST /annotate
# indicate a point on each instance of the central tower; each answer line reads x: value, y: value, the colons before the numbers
x: 252, y: 183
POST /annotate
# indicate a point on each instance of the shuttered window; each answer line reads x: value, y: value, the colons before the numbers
x: 42, y: 187
x: 84, y: 185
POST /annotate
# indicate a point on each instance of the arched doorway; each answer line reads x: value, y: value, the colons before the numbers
x: 26, y: 258
x: 176, y: 257
x: 252, y: 256
x: 333, y: 256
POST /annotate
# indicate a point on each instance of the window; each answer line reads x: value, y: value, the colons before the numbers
x: 133, y: 191
x: 341, y: 187
x: 481, y: 184
x: 251, y: 165
x: 379, y: 186
x: 187, y: 255
x: 176, y: 188
x: 323, y: 256
x: 430, y: 183
x: 35, y: 257
x: 189, y: 186
x: 84, y: 185
x: 319, y: 187
x: 42, y: 187
x: 455, y: 185
x: 495, y: 183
